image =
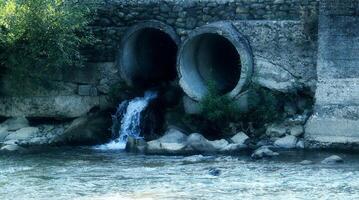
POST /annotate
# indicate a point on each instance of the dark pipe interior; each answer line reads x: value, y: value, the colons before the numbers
x: 218, y: 61
x: 155, y: 58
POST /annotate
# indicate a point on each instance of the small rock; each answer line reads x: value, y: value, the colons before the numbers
x: 296, y: 130
x: 262, y: 152
x: 23, y: 134
x: 276, y: 130
x: 300, y: 144
x: 11, y: 147
x: 3, y: 133
x: 14, y: 124
x: 197, y: 158
x: 239, y: 138
x: 332, y: 160
x: 214, y: 172
x: 199, y: 143
x: 8, y: 142
x: 234, y: 147
x: 306, y: 162
x: 287, y: 142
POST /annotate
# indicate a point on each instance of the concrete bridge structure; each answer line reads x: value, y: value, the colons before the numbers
x: 273, y: 43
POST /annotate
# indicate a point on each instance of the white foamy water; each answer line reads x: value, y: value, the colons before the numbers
x: 130, y: 123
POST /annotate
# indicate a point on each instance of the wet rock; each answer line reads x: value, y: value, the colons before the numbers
x: 3, y: 133
x: 300, y: 144
x: 16, y: 123
x: 219, y: 144
x: 287, y: 142
x: 23, y: 134
x: 11, y: 148
x: 231, y: 148
x: 296, y: 130
x: 136, y: 145
x: 276, y: 130
x: 332, y: 160
x: 306, y: 162
x: 262, y: 152
x: 87, y: 130
x: 197, y: 158
x: 214, y: 172
x: 174, y: 141
x: 199, y: 143
x: 239, y: 138
x: 9, y: 142
x: 173, y: 136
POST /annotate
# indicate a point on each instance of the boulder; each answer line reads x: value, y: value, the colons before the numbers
x: 332, y: 160
x: 219, y: 144
x: 173, y: 135
x: 287, y: 142
x: 157, y: 147
x: 23, y: 134
x: 296, y: 130
x: 239, y: 138
x: 174, y: 141
x: 262, y: 152
x: 234, y: 148
x: 276, y: 130
x: 274, y: 77
x: 16, y: 123
x: 199, y: 143
x: 91, y: 129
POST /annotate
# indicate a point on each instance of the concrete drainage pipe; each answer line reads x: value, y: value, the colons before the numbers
x: 147, y: 54
x: 215, y: 52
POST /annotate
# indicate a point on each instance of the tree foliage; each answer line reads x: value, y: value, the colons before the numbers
x: 41, y: 35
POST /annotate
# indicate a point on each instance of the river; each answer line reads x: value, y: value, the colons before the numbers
x: 85, y: 173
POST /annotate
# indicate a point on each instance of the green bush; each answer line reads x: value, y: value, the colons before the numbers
x: 220, y: 110
x: 40, y: 36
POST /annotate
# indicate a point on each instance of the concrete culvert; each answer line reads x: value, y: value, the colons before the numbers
x: 147, y: 54
x: 216, y: 52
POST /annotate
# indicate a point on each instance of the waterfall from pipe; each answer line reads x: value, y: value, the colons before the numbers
x: 127, y: 120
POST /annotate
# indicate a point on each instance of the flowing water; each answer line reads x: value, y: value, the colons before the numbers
x: 128, y: 118
x: 85, y: 173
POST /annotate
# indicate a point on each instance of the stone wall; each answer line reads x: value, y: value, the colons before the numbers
x: 114, y: 16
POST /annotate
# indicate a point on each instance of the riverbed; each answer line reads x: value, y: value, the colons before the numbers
x: 86, y: 174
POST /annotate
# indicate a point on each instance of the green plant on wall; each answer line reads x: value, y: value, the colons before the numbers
x: 220, y: 110
x: 41, y: 36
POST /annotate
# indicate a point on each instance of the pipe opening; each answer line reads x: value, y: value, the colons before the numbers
x: 216, y: 53
x: 217, y: 60
x: 149, y: 58
x: 208, y: 58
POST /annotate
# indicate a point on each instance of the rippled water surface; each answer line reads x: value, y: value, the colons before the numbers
x: 91, y: 174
